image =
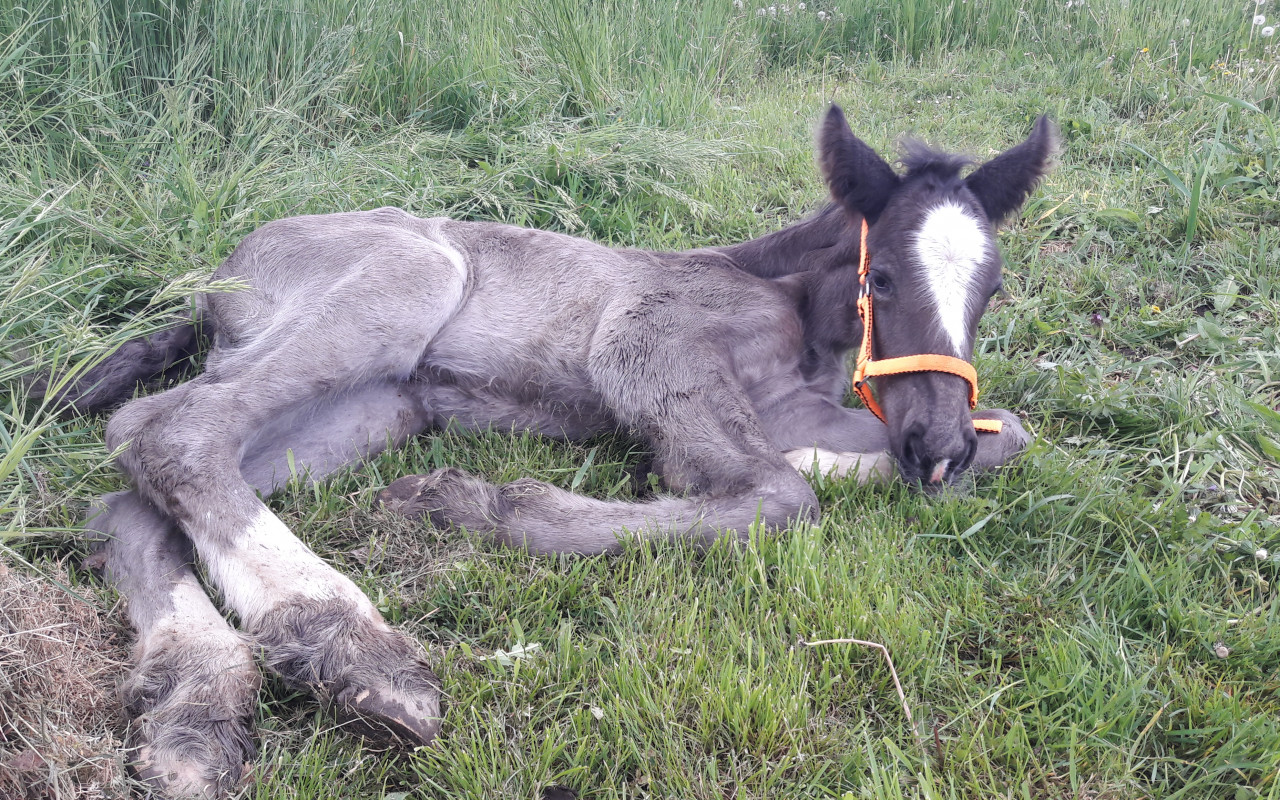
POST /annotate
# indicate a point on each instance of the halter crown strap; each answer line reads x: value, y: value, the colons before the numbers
x: 867, y: 368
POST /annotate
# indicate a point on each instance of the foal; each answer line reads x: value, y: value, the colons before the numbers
x: 363, y: 329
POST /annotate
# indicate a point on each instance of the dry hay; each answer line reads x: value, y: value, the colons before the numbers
x: 61, y: 659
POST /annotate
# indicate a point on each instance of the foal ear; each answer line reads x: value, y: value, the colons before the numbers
x: 1003, y: 183
x: 859, y: 179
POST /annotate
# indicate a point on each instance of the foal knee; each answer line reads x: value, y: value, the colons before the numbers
x: 172, y: 456
x: 134, y: 417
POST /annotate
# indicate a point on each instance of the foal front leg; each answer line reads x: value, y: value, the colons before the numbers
x: 707, y: 444
x: 997, y: 449
x: 819, y: 436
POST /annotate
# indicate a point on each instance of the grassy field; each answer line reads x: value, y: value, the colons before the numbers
x: 1100, y: 621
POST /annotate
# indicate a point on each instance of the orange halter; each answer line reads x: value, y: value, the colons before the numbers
x: 867, y: 368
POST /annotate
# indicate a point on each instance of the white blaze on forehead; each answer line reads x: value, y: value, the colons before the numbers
x: 951, y: 246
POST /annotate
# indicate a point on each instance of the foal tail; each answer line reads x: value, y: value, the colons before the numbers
x: 113, y: 380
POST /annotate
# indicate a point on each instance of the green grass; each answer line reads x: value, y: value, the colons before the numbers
x: 1055, y: 629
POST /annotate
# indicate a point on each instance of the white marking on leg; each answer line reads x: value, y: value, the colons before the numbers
x: 193, y: 614
x: 866, y: 467
x: 951, y: 245
x: 267, y: 566
x: 208, y: 669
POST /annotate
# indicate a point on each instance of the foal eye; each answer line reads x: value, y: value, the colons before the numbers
x: 879, y: 282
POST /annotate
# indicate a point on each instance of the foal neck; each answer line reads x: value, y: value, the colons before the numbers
x: 812, y: 244
x: 815, y: 262
x: 826, y: 300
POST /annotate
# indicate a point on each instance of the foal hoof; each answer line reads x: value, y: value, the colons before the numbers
x: 995, y: 449
x: 372, y: 676
x: 193, y: 710
x: 408, y: 713
x: 447, y: 497
x: 403, y: 496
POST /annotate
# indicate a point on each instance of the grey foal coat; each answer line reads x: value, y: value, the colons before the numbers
x: 361, y: 330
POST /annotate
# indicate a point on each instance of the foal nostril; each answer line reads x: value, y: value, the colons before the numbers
x: 970, y: 450
x: 913, y: 449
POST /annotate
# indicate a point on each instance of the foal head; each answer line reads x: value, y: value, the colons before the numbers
x: 933, y: 266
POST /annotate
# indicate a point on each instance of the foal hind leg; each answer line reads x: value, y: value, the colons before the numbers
x: 372, y: 676
x: 314, y: 625
x: 194, y: 685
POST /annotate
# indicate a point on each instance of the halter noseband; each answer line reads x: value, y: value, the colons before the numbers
x: 867, y: 368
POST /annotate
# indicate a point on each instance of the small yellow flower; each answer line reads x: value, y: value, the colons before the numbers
x: 1145, y: 50
x: 1155, y: 309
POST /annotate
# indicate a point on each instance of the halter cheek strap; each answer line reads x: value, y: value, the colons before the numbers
x: 867, y: 368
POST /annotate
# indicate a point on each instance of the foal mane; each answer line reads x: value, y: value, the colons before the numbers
x: 936, y: 166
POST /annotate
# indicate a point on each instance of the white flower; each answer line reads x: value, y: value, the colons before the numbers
x: 737, y: 3
x: 800, y: 7
x: 1259, y: 19
x: 1267, y: 31
x: 773, y: 11
x: 1186, y: 23
x: 822, y: 16
x: 759, y: 12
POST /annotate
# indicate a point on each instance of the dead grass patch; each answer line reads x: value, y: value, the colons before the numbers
x: 61, y: 660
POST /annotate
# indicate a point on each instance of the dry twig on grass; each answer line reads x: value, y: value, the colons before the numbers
x: 897, y: 684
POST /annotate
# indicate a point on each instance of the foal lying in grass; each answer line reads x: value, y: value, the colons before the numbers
x: 364, y: 329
